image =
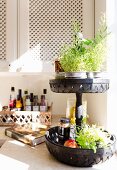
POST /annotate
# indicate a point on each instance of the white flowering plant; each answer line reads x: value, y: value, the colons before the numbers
x: 85, y: 54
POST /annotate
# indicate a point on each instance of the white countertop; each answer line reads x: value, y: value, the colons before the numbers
x: 15, y: 155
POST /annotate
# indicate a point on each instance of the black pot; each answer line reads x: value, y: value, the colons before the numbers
x: 76, y: 156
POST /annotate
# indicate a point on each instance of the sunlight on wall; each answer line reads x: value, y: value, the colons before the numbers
x: 28, y: 62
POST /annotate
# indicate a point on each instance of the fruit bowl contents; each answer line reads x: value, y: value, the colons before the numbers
x: 83, y: 151
x: 71, y: 143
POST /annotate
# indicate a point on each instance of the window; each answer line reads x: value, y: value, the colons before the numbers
x: 111, y: 10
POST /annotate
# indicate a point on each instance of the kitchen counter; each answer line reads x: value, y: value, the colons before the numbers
x: 15, y: 155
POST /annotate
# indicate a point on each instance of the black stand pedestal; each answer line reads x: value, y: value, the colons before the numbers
x: 79, y: 109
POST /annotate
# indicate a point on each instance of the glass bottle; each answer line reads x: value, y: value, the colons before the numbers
x: 20, y: 98
x: 28, y: 103
x: 18, y: 103
x: 12, y: 101
x: 24, y: 98
x: 45, y: 94
x: 64, y: 129
x: 35, y: 103
x: 43, y: 105
x: 31, y: 101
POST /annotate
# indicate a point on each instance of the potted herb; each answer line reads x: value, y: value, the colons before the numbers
x: 85, y: 55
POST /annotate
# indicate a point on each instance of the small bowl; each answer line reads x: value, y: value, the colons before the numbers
x: 76, y: 156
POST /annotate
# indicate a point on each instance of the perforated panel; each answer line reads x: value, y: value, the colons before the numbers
x: 50, y: 25
x: 2, y: 29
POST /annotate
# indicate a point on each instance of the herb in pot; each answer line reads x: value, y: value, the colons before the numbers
x: 85, y: 54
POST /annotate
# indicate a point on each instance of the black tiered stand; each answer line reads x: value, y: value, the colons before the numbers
x: 79, y: 86
x: 78, y: 156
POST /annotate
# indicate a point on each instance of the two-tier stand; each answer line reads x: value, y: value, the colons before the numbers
x: 78, y: 156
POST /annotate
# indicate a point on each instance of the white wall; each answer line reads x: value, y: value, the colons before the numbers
x: 36, y: 84
x: 32, y: 83
x: 97, y: 108
x: 100, y: 8
x: 97, y: 103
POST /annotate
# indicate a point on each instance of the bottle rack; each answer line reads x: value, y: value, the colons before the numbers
x: 10, y: 118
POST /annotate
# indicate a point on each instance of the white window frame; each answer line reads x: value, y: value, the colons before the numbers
x: 111, y: 11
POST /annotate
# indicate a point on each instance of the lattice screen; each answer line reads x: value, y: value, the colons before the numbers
x: 2, y: 29
x: 50, y: 25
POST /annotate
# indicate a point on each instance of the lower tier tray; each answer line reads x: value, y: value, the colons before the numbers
x: 76, y: 156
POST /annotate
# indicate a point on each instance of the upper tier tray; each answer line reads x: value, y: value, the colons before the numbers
x: 86, y: 85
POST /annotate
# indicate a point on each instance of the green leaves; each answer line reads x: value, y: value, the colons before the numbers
x: 85, y: 54
x: 72, y: 59
x: 92, y: 137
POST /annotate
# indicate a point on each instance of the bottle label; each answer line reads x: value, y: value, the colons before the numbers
x: 43, y: 108
x: 35, y: 108
x: 11, y: 104
x: 28, y: 108
x: 72, y: 131
x: 18, y: 109
x: 80, y: 111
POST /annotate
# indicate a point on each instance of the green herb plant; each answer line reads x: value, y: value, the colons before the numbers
x: 85, y: 54
x: 92, y: 137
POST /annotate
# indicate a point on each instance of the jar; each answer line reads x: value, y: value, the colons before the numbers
x: 64, y: 129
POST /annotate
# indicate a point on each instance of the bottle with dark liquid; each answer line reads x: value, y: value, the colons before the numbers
x: 43, y: 104
x: 35, y: 103
x: 31, y: 101
x: 64, y: 129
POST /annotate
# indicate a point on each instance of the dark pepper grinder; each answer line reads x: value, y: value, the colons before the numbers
x: 64, y: 129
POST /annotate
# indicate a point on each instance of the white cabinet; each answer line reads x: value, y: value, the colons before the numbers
x: 35, y: 31
x: 8, y: 33
x: 47, y: 24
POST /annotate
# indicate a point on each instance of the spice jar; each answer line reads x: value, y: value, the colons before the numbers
x: 64, y: 129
